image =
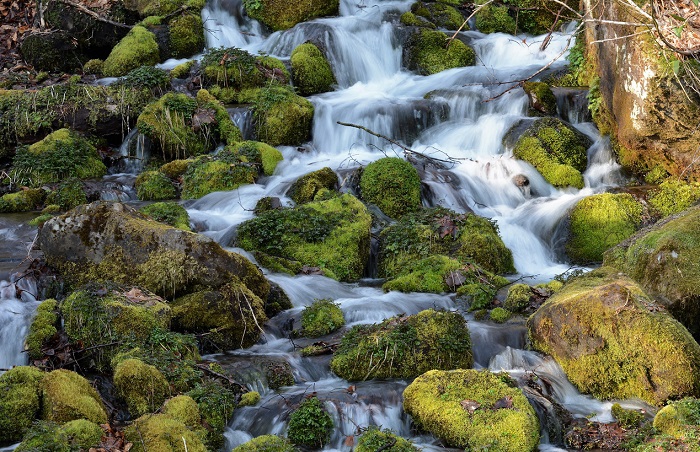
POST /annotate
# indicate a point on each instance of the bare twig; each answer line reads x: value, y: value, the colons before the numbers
x: 467, y: 20
x: 228, y: 379
x: 93, y: 14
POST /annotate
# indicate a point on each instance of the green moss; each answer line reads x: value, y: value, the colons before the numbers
x: 68, y: 195
x: 304, y: 189
x: 169, y: 213
x: 150, y: 77
x: 673, y: 196
x: 440, y: 14
x: 495, y: 19
x: 393, y: 185
x: 500, y: 315
x: 266, y: 443
x: 148, y: 8
x: 281, y: 117
x: 67, y: 396
x: 182, y: 70
x: 542, y: 98
x: 374, y: 439
x: 599, y: 222
x: 518, y: 298
x: 152, y: 21
x: 40, y: 220
x: 614, y: 342
x: 261, y: 154
x: 43, y: 328
x: 434, y: 402
x: 236, y: 69
x: 216, y: 405
x: 60, y: 155
x: 427, y: 53
x: 154, y: 186
x: 556, y: 150
x: 22, y: 201
x: 410, y: 19
x: 250, y: 398
x: 404, y: 347
x: 221, y: 172
x: 425, y: 275
x: 161, y: 433
x: 82, y: 434
x: 310, y: 425
x: 332, y: 234
x: 138, y: 48
x: 20, y: 400
x: 656, y: 175
x: 311, y: 71
x: 282, y: 15
x: 320, y: 318
x: 627, y: 418
x: 45, y: 437
x: 675, y: 418
x: 93, y: 67
x: 186, y: 35
x: 175, y: 169
x: 141, y: 385
x: 184, y: 409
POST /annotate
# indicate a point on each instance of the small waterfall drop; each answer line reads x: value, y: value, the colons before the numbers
x: 17, y: 309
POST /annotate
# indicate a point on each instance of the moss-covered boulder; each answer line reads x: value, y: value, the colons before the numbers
x: 45, y: 436
x: 151, y: 8
x: 162, y: 433
x: 82, y: 433
x: 599, y: 222
x: 541, y: 98
x: 20, y: 401
x: 679, y: 418
x: 311, y: 71
x: 282, y: 15
x: 266, y: 443
x: 426, y: 52
x: 66, y: 396
x: 332, y: 234
x: 137, y: 48
x: 62, y: 154
x: 663, y: 259
x: 233, y: 69
x: 224, y: 171
x: 495, y: 19
x: 43, y: 328
x: 393, y: 185
x: 439, y: 14
x: 555, y: 149
x: 320, y: 318
x: 182, y: 127
x: 281, y: 117
x: 473, y: 410
x: 250, y: 398
x: 615, y: 342
x: 22, y: 201
x: 142, y: 386
x: 374, y: 439
x: 404, y: 347
x: 674, y: 196
x: 170, y: 213
x: 68, y: 194
x: 525, y: 16
x: 154, y: 186
x: 305, y: 189
x: 186, y: 35
x: 310, y: 425
x: 231, y: 316
x: 183, y: 408
x: 518, y: 298
x: 261, y: 154
x: 106, y: 241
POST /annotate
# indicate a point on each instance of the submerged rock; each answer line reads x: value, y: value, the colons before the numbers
x: 473, y: 410
x: 615, y: 342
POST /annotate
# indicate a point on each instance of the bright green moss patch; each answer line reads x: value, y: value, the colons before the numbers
x: 434, y: 400
x: 426, y: 52
x: 281, y: 116
x: 138, y: 48
x: 20, y: 400
x: 169, y: 213
x: 141, y: 385
x: 556, y: 150
x: 404, y: 347
x: 224, y: 171
x: 176, y: 168
x: 304, y: 189
x: 500, y: 315
x: 154, y: 186
x: 424, y: 275
x: 68, y: 194
x: 22, y: 201
x: 614, y: 342
x: 259, y: 153
x: 492, y: 19
x: 311, y: 71
x: 182, y: 70
x: 235, y: 69
x: 310, y: 425
x: 43, y: 328
x: 673, y: 196
x: 677, y: 418
x: 282, y: 15
x: 266, y: 443
x: 250, y: 398
x: 374, y: 439
x: 393, y: 185
x: 333, y: 234
x: 599, y: 222
x: 186, y: 35
x: 67, y: 396
x: 541, y: 97
x: 518, y: 298
x: 627, y: 418
x: 184, y: 409
x: 82, y: 434
x: 161, y: 433
x: 412, y: 20
x: 62, y: 154
x: 216, y: 405
x: 321, y: 318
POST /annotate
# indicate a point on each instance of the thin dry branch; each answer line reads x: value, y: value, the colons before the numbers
x: 467, y: 20
x: 93, y: 14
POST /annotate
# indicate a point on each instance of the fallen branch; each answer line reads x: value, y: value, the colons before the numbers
x: 467, y: 20
x: 93, y: 14
x: 230, y: 380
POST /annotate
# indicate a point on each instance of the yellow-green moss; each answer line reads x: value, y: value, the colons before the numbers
x: 282, y: 15
x: 186, y: 35
x: 169, y: 213
x: 678, y: 418
x: 43, y: 327
x: 67, y: 396
x: 427, y: 53
x: 260, y: 153
x: 404, y: 347
x: 500, y: 315
x: 304, y: 189
x: 673, y: 196
x: 141, y: 385
x: 183, y: 408
x: 231, y: 70
x: 45, y: 437
x: 93, y: 67
x: 374, y: 439
x: 154, y: 186
x: 412, y: 20
x: 22, y: 201
x: 518, y: 297
x: 266, y: 443
x: 20, y: 400
x: 82, y: 434
x: 137, y: 48
x: 424, y: 275
x: 310, y: 425
x: 541, y: 98
x: 68, y: 194
x: 627, y: 418
x: 492, y: 19
x: 320, y: 318
x: 281, y: 116
x: 175, y: 169
x: 393, y: 185
x: 434, y: 402
x: 221, y: 172
x: 614, y: 342
x: 161, y: 433
x: 250, y: 398
x: 599, y: 222
x: 311, y: 71
x: 182, y: 70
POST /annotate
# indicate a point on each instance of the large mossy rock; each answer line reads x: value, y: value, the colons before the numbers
x: 22, y: 201
x: 535, y: 17
x: 228, y: 70
x: 106, y: 241
x: 433, y: 14
x: 374, y: 439
x: 393, y: 185
x: 304, y: 189
x: 266, y: 443
x: 404, y: 347
x: 142, y: 386
x: 311, y: 71
x: 615, y: 342
x: 82, y: 433
x: 162, y: 433
x: 67, y: 396
x: 154, y: 186
x: 281, y: 117
x: 137, y: 48
x: 426, y: 52
x: 663, y: 259
x: 20, y: 401
x: 280, y: 15
x: 261, y: 154
x: 466, y: 409
x: 555, y: 149
x: 332, y: 234
x: 599, y: 222
x: 224, y: 171
x: 60, y: 155
x: 186, y: 35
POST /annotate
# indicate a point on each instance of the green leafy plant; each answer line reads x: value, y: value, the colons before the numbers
x: 310, y: 425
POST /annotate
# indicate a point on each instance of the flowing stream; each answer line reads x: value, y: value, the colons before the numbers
x: 457, y: 115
